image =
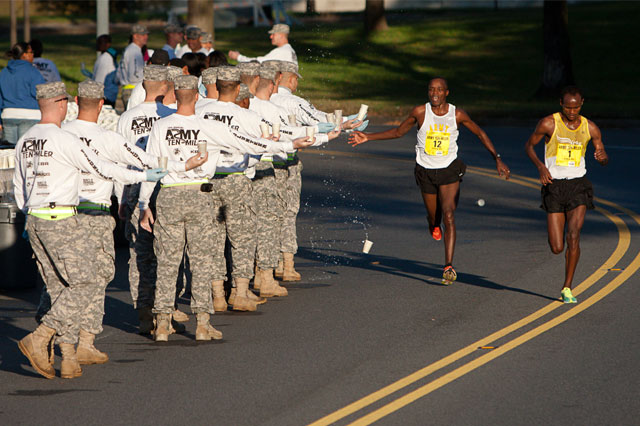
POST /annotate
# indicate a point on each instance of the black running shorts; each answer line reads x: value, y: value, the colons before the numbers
x: 430, y: 179
x: 563, y: 195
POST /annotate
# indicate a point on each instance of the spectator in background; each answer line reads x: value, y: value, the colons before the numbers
x: 193, y: 45
x: 174, y: 36
x: 283, y: 51
x: 131, y: 66
x: 206, y: 40
x: 46, y: 66
x: 104, y: 69
x: 216, y: 59
x: 19, y: 109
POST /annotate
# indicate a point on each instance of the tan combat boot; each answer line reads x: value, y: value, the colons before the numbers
x: 279, y: 269
x: 270, y: 287
x: 163, y: 327
x: 179, y: 316
x: 86, y: 352
x: 252, y: 296
x: 289, y: 273
x: 35, y: 346
x: 219, y: 303
x: 205, y: 330
x: 241, y: 301
x: 147, y: 322
x: 70, y: 367
x: 257, y: 280
x: 232, y: 295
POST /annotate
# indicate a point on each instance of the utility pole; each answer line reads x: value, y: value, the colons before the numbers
x: 102, y: 19
x: 14, y: 22
x: 27, y: 22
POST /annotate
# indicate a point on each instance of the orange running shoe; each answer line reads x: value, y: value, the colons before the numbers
x: 436, y: 233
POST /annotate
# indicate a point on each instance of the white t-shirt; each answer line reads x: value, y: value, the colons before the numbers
x: 282, y: 53
x: 47, y: 68
x: 135, y: 124
x: 138, y: 95
x: 48, y: 165
x: 103, y: 66
x: 437, y: 145
x: 113, y: 147
x: 305, y: 113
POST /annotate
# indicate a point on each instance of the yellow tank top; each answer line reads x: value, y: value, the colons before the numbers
x: 565, y: 150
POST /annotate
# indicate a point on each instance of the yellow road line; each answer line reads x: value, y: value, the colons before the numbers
x: 484, y: 359
x: 624, y: 239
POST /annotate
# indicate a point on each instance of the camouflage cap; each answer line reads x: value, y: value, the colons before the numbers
x: 186, y: 82
x: 228, y: 73
x: 91, y: 89
x: 193, y: 33
x: 291, y: 67
x: 139, y: 29
x: 206, y: 38
x: 209, y: 76
x: 273, y: 63
x: 51, y: 90
x: 244, y: 93
x: 172, y: 28
x: 279, y: 28
x: 173, y: 72
x: 268, y: 73
x: 249, y: 68
x: 155, y: 73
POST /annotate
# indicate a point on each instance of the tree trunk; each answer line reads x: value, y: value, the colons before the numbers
x: 200, y: 13
x: 374, y: 19
x: 558, y: 70
x: 311, y: 6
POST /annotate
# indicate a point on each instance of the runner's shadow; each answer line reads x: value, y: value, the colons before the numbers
x: 426, y: 272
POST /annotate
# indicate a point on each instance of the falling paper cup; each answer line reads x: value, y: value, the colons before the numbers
x: 363, y: 111
x: 264, y: 128
x: 202, y: 147
x: 162, y: 162
x: 367, y: 246
x: 292, y: 120
x: 338, y: 117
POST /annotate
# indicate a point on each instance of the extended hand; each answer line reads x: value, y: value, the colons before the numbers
x: 503, y: 170
x: 196, y: 161
x: 304, y: 142
x: 333, y: 134
x: 154, y: 175
x: 147, y: 220
x: 233, y: 54
x: 357, y: 138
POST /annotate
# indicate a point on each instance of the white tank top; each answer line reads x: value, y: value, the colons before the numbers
x: 437, y: 139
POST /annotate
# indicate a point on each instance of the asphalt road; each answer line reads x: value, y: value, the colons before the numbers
x: 471, y: 353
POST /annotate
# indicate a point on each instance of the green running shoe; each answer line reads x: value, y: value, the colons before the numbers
x: 567, y: 296
x: 449, y: 275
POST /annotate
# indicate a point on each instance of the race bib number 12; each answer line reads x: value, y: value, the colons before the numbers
x: 437, y: 143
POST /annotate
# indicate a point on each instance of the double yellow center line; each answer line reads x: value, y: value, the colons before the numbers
x: 624, y: 240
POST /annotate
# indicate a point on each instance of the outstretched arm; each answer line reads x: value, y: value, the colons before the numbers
x: 596, y: 137
x: 414, y: 118
x: 463, y: 118
x: 544, y: 128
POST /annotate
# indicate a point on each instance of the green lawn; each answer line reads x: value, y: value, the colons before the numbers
x: 492, y: 59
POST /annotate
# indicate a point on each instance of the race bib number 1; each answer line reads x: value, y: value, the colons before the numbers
x: 568, y: 155
x: 437, y: 143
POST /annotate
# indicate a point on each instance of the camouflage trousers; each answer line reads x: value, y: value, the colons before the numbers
x: 75, y: 257
x: 142, y: 260
x: 233, y: 195
x: 184, y: 222
x: 269, y: 209
x: 290, y: 190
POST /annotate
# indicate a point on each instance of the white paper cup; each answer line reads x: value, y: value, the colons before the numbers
x: 11, y: 161
x: 276, y: 129
x: 202, y: 147
x: 331, y: 118
x: 4, y: 162
x: 162, y: 162
x: 311, y: 131
x: 363, y: 111
x: 264, y: 128
x: 367, y: 246
x: 338, y: 117
x: 292, y: 120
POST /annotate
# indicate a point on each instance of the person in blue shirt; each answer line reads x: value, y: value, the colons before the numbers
x: 18, y: 106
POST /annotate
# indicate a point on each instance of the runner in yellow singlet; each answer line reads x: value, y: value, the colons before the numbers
x: 438, y: 169
x: 566, y: 192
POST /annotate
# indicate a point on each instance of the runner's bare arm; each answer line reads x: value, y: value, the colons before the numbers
x: 414, y: 118
x: 463, y: 118
x: 544, y: 128
x: 596, y: 137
